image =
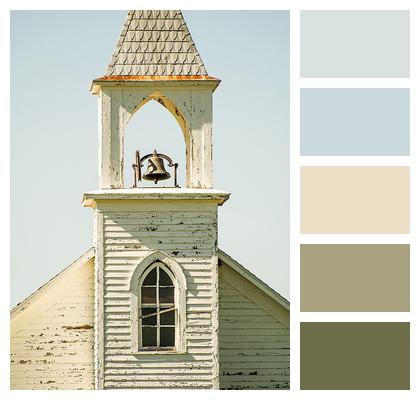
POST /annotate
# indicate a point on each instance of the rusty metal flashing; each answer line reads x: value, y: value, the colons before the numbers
x: 139, y: 79
x: 155, y: 78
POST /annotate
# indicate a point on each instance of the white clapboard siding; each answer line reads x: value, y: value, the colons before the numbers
x: 52, y: 331
x: 51, y: 337
x: 188, y: 234
x: 254, y: 340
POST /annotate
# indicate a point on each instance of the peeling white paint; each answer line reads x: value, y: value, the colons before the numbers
x: 148, y: 227
x: 190, y: 102
x: 254, y: 336
x: 51, y: 335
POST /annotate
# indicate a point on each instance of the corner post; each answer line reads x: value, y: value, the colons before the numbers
x: 201, y: 172
x: 111, y: 139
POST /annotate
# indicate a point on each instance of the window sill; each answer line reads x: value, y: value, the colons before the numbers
x: 153, y: 352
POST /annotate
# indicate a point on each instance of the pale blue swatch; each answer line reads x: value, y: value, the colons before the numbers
x: 355, y: 122
x: 355, y: 44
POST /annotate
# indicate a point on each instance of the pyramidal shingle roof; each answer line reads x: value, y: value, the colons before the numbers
x: 155, y: 43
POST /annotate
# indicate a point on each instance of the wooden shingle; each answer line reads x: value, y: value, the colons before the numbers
x: 155, y: 42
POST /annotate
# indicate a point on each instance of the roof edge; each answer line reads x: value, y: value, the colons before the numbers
x: 173, y: 79
x: 245, y: 273
x: 90, y: 199
x: 85, y: 257
x: 155, y: 78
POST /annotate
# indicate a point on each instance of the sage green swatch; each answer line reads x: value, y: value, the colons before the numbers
x: 355, y: 355
x: 355, y: 277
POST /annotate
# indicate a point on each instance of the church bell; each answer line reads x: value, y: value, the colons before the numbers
x: 156, y: 169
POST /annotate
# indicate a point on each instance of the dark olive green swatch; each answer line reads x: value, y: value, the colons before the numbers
x: 355, y: 277
x: 355, y: 355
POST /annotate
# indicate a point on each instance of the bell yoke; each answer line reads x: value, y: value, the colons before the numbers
x: 155, y: 169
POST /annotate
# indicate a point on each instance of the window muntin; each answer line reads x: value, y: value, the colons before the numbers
x: 157, y: 311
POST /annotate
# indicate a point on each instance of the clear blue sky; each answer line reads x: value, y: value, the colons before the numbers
x: 55, y: 55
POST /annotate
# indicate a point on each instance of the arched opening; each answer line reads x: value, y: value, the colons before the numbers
x: 158, y: 311
x: 158, y: 305
x: 154, y: 127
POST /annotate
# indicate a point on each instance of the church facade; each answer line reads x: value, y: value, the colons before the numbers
x: 155, y: 303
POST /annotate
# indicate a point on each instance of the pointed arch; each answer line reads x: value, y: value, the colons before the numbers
x: 158, y: 255
x: 180, y: 297
x: 176, y: 105
x: 191, y: 105
x: 176, y: 108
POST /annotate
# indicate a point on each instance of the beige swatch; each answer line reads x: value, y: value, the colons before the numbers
x: 355, y: 200
x: 355, y: 277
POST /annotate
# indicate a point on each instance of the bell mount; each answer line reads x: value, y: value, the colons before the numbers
x: 153, y: 158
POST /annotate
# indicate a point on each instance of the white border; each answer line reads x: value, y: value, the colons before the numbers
x: 354, y: 239
x: 376, y: 161
x: 411, y: 161
x: 294, y: 199
x: 295, y: 238
x: 354, y: 317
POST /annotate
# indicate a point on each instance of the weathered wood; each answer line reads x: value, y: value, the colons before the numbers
x: 145, y: 367
x: 159, y: 377
x: 167, y: 212
x: 156, y: 227
x: 144, y: 360
x: 99, y: 299
x: 188, y: 234
x: 254, y: 342
x: 159, y: 385
x: 190, y: 103
x: 258, y: 359
x: 199, y: 219
x: 159, y: 371
x: 156, y: 241
x: 51, y: 346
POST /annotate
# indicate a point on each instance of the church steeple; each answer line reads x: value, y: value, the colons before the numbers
x: 156, y: 59
x: 155, y: 43
x: 156, y: 254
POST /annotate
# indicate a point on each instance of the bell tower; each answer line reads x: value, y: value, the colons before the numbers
x: 156, y: 260
x: 155, y: 59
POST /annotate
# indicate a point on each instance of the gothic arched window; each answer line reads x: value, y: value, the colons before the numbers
x: 157, y: 309
x: 158, y: 294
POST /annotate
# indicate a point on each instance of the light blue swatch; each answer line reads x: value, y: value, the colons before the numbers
x: 355, y: 122
x: 355, y: 44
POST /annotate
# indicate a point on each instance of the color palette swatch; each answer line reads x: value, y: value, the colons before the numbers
x: 355, y: 277
x: 355, y: 122
x: 355, y: 355
x: 354, y: 200
x: 355, y: 44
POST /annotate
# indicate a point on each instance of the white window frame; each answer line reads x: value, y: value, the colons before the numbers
x: 160, y: 265
x: 180, y: 285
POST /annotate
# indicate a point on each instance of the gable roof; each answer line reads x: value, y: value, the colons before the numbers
x: 155, y: 43
x: 79, y: 263
x: 88, y: 255
x: 249, y: 276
